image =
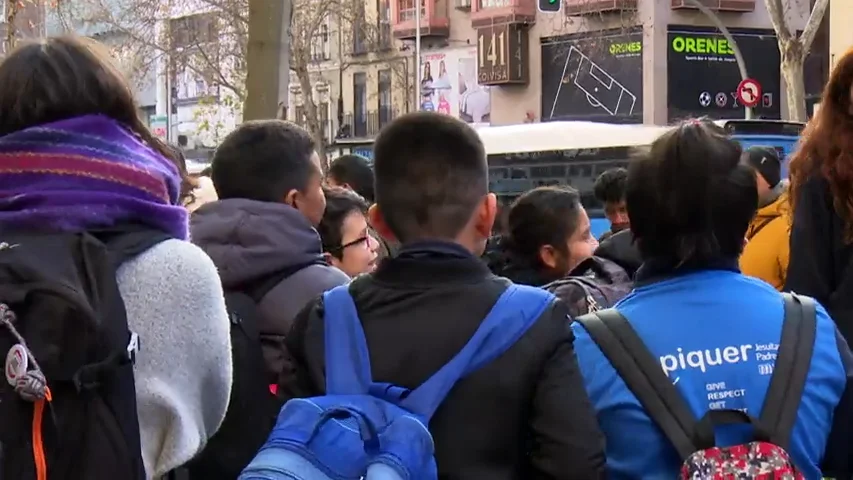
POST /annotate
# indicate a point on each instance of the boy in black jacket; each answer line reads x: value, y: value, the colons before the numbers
x: 525, y: 415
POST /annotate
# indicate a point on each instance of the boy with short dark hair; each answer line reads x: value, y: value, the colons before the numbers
x: 353, y: 172
x: 609, y: 189
x: 420, y: 308
x: 261, y: 232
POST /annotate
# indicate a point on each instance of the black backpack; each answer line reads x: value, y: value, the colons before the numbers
x: 253, y: 408
x: 593, y: 285
x: 68, y: 402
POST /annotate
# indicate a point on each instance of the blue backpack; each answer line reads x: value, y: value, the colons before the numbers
x: 376, y: 431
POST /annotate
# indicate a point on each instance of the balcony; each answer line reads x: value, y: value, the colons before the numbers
x: 597, y: 7
x: 737, y: 6
x: 364, y: 126
x: 434, y: 19
x: 485, y: 13
x: 462, y: 5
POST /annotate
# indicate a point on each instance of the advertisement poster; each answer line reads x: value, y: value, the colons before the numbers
x: 593, y: 76
x: 703, y: 74
x: 449, y: 85
x: 158, y: 125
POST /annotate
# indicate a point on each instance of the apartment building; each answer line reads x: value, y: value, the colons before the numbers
x: 360, y: 78
x: 649, y: 61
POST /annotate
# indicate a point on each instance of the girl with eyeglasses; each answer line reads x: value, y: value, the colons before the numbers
x: 347, y: 243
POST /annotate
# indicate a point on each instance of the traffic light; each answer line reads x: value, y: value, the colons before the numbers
x: 550, y: 6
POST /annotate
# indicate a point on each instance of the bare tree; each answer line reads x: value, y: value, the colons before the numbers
x: 360, y: 40
x: 793, y: 50
x: 156, y: 31
x: 248, y: 55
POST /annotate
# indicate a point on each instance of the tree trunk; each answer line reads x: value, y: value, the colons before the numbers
x: 312, y: 118
x: 267, y: 49
x: 793, y: 60
x: 11, y: 25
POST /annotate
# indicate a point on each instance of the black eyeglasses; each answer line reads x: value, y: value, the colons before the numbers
x: 357, y: 241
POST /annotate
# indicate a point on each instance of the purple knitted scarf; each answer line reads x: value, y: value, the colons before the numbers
x: 85, y: 173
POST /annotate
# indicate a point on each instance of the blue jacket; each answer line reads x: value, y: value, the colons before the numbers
x: 715, y: 333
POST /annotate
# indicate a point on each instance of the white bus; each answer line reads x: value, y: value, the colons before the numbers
x: 522, y: 157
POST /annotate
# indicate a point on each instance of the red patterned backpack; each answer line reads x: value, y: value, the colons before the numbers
x: 763, y: 458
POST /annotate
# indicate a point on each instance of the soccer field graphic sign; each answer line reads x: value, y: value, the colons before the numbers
x: 594, y: 76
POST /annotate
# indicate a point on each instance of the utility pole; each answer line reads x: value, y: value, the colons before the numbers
x: 418, y: 55
x: 741, y: 64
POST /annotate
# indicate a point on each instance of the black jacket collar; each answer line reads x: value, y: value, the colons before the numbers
x: 659, y: 269
x: 431, y: 263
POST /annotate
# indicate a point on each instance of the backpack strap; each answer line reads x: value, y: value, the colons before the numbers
x: 643, y: 376
x: 586, y: 284
x: 793, y: 361
x: 346, y: 355
x: 259, y: 289
x: 760, y: 226
x: 126, y: 242
x: 515, y: 312
x: 122, y: 243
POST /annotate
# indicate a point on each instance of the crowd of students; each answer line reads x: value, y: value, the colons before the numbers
x: 403, y: 239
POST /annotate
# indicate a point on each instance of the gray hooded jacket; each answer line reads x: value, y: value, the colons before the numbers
x: 249, y: 241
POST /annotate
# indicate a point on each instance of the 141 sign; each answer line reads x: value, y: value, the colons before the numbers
x: 502, y: 56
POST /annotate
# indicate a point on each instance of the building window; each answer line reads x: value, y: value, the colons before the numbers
x: 194, y: 57
x: 359, y: 102
x: 384, y: 9
x: 496, y: 3
x: 299, y: 115
x: 193, y: 31
x: 384, y: 97
x: 320, y: 46
x: 359, y: 34
x: 407, y: 10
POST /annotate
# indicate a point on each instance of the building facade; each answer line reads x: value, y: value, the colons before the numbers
x: 487, y: 62
x: 357, y: 75
x: 603, y: 60
x: 840, y: 33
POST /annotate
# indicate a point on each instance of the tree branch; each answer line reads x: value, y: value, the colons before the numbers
x: 813, y: 24
x: 777, y: 19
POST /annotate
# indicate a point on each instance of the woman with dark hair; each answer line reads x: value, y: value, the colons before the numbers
x: 821, y: 202
x: 77, y: 158
x: 714, y: 331
x: 547, y: 236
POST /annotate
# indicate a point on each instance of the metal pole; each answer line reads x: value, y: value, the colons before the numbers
x: 741, y: 64
x: 418, y: 55
x: 169, y: 100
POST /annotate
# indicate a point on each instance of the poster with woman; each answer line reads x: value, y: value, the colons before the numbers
x: 449, y: 85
